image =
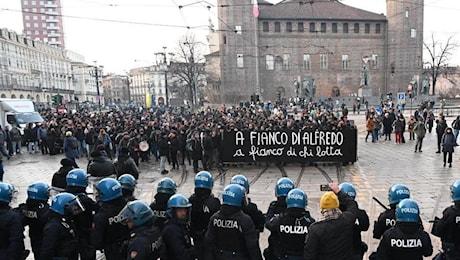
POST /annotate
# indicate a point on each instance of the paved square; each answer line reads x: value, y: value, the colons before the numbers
x: 379, y: 166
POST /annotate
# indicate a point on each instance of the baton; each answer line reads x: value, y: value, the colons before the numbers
x: 380, y: 203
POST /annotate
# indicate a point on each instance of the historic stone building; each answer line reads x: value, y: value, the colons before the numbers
x: 318, y: 48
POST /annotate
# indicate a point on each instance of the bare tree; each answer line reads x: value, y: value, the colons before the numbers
x: 439, y: 58
x: 188, y: 65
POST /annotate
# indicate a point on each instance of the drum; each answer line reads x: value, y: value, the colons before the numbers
x: 144, y: 146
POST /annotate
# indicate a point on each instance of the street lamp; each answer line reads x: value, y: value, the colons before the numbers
x: 96, y: 73
x: 164, y: 67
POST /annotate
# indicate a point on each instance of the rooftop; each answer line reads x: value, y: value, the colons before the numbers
x: 316, y: 10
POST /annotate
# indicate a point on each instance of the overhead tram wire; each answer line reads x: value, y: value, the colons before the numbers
x: 111, y: 20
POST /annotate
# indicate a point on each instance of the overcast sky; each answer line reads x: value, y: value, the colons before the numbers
x: 121, y: 46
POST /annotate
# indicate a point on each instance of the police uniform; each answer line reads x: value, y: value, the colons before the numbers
x: 145, y: 243
x: 177, y: 241
x: 291, y: 227
x: 404, y: 241
x: 385, y: 221
x: 35, y: 214
x: 11, y: 234
x: 274, y: 210
x: 159, y: 206
x: 108, y: 232
x: 83, y: 224
x: 361, y: 225
x: 231, y: 235
x: 448, y: 229
x: 59, y: 239
x: 204, y: 205
x: 255, y: 214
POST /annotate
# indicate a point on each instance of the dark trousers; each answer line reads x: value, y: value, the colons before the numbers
x: 195, y: 165
x: 174, y: 159
x: 418, y: 144
x: 439, y: 142
x: 371, y: 134
x: 1, y: 170
x: 449, y: 160
x: 411, y: 136
x: 44, y: 146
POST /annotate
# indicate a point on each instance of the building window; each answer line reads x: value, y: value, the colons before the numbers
x: 265, y: 27
x: 377, y: 28
x: 288, y: 27
x: 269, y: 62
x: 367, y: 28
x: 35, y: 25
x: 286, y: 61
x: 413, y: 33
x: 323, y: 61
x: 239, y: 60
x: 300, y: 27
x: 238, y: 29
x: 334, y: 27
x: 27, y: 25
x: 27, y: 17
x: 26, y: 2
x: 345, y: 62
x: 407, y: 12
x: 356, y: 28
x: 375, y: 61
x: 277, y: 27
x: 312, y: 27
x: 306, y: 61
x: 323, y: 27
x: 345, y: 28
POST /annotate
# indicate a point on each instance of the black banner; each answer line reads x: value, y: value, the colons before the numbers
x: 290, y: 146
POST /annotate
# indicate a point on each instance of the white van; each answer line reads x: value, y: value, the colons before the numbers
x: 18, y: 112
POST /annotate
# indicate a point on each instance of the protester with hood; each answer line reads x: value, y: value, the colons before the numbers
x: 448, y: 144
x: 124, y: 164
x: 59, y: 178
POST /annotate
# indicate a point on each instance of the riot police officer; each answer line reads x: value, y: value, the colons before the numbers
x: 204, y: 205
x: 361, y: 225
x: 35, y: 213
x: 176, y: 236
x: 145, y: 241
x: 165, y: 189
x: 249, y: 207
x: 11, y: 229
x: 387, y: 218
x: 448, y: 227
x: 231, y: 233
x: 291, y: 227
x: 128, y: 185
x: 60, y: 240
x: 77, y: 181
x: 406, y: 240
x: 282, y: 188
x: 109, y: 233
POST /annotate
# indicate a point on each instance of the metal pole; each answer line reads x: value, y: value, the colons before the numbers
x: 129, y: 90
x: 166, y: 77
x: 97, y: 88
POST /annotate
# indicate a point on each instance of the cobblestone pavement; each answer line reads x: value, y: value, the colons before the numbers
x: 379, y: 166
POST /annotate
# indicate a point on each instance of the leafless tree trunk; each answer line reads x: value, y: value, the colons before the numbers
x: 439, y: 57
x: 188, y: 65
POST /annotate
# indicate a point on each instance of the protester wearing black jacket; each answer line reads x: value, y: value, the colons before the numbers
x: 100, y: 165
x: 330, y: 237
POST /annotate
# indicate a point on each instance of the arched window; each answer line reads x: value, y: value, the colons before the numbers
x: 21, y: 96
x: 3, y: 96
x: 13, y: 96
